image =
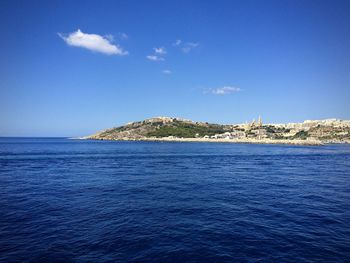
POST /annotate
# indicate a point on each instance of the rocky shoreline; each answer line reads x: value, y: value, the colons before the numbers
x: 251, y: 141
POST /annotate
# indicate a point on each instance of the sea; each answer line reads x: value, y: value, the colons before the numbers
x: 64, y: 200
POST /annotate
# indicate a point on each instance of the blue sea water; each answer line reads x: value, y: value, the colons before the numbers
x: 67, y: 200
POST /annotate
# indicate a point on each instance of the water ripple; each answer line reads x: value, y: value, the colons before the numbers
x: 85, y: 201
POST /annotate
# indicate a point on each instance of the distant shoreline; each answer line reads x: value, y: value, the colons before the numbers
x: 169, y: 129
x: 251, y: 141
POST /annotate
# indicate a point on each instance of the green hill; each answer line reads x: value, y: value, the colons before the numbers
x: 162, y: 127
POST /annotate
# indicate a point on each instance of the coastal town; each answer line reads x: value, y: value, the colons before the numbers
x: 310, y: 132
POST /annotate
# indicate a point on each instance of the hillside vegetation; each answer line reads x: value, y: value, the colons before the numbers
x: 186, y: 130
x: 161, y: 127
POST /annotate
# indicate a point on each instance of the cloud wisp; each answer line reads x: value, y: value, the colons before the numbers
x: 177, y: 42
x: 154, y: 58
x: 185, y: 47
x: 94, y: 42
x: 189, y: 46
x: 158, y: 55
x: 159, y: 50
x: 223, y: 90
x: 166, y: 71
x: 123, y: 36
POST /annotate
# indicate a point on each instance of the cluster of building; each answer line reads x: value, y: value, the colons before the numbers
x: 254, y: 129
x: 312, y: 129
x: 235, y: 134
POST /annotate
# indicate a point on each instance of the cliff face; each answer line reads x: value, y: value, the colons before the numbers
x: 165, y: 127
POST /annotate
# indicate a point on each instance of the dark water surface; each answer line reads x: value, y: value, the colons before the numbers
x: 89, y: 201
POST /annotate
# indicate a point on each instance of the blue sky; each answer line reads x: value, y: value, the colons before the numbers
x: 70, y: 68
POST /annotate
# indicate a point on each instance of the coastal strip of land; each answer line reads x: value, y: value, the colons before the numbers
x: 252, y: 141
x: 167, y: 129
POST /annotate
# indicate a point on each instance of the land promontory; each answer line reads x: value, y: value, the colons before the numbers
x: 311, y: 132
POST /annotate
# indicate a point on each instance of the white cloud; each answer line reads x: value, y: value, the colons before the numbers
x: 166, y: 71
x: 158, y: 55
x: 224, y: 90
x: 154, y: 58
x: 93, y: 42
x: 160, y: 50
